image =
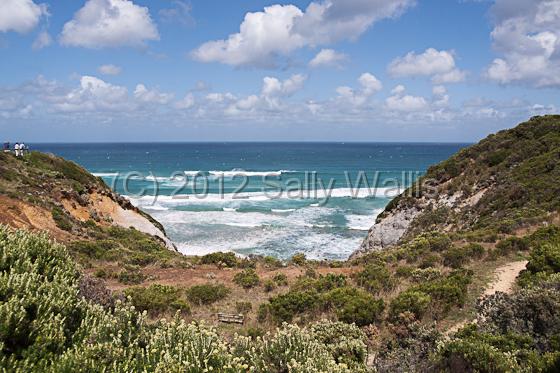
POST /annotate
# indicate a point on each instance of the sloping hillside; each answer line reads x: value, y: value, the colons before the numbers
x: 507, y: 181
x: 45, y: 192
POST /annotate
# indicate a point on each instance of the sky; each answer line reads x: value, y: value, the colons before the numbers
x: 321, y: 70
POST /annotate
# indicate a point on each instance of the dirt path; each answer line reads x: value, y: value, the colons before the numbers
x: 503, y: 280
x: 505, y: 277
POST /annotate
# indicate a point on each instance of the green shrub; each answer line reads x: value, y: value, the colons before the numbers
x: 269, y: 285
x: 421, y: 275
x: 280, y: 279
x: 543, y: 262
x: 61, y: 220
x: 298, y: 259
x: 404, y: 271
x: 345, y: 342
x: 329, y: 281
x: 411, y: 300
x: 247, y: 278
x: 157, y: 299
x: 352, y: 305
x: 272, y: 262
x: 545, y: 235
x: 291, y: 349
x: 243, y: 307
x: 449, y: 291
x: 207, y: 293
x: 456, y: 257
x: 101, y: 273
x: 375, y: 278
x: 98, y: 249
x: 510, y: 245
x: 429, y: 260
x: 220, y: 259
x: 131, y: 276
x: 284, y: 307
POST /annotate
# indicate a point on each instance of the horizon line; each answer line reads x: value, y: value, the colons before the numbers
x: 246, y: 142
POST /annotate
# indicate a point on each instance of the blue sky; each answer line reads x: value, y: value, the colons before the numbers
x: 343, y: 70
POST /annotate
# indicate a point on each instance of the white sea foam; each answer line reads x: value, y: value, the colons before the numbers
x: 184, y: 199
x: 282, y: 210
x: 229, y: 209
x: 156, y: 207
x: 193, y: 173
x: 105, y: 174
x: 361, y: 222
x: 240, y: 172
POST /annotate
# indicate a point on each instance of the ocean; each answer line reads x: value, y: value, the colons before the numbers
x: 260, y: 198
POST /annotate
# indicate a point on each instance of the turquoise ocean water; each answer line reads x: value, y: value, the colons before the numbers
x: 260, y: 198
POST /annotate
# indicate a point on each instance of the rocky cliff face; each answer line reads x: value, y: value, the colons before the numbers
x: 503, y: 183
x: 45, y: 192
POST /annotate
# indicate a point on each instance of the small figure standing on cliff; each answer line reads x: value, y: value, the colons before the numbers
x: 17, y: 149
x: 6, y: 147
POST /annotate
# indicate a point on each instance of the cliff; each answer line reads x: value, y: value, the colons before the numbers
x: 504, y: 183
x: 43, y: 192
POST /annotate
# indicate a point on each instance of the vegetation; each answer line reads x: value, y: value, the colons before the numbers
x: 220, y: 259
x: 158, y: 299
x: 72, y: 334
x: 280, y: 279
x: 207, y: 293
x: 516, y: 171
x: 247, y: 278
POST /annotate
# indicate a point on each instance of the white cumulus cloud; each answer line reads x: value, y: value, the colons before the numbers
x: 439, y: 65
x: 151, y: 96
x: 527, y: 36
x: 109, y: 23
x: 20, y: 15
x: 328, y: 57
x: 93, y: 94
x: 274, y: 87
x: 399, y: 101
x: 369, y: 85
x: 279, y: 30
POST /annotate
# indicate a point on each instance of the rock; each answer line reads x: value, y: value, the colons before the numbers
x: 388, y: 231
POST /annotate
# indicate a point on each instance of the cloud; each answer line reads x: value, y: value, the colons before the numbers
x: 179, y: 12
x: 43, y: 40
x: 369, y: 85
x: 94, y: 100
x: 399, y: 101
x: 440, y: 96
x: 109, y: 69
x: 527, y: 37
x: 271, y: 98
x: 151, y: 96
x: 439, y: 65
x: 186, y: 102
x: 21, y: 15
x: 328, y: 57
x: 93, y: 94
x: 272, y: 87
x: 279, y: 30
x: 262, y: 36
x: 109, y: 23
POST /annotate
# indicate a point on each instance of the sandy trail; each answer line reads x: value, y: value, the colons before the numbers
x: 505, y: 278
